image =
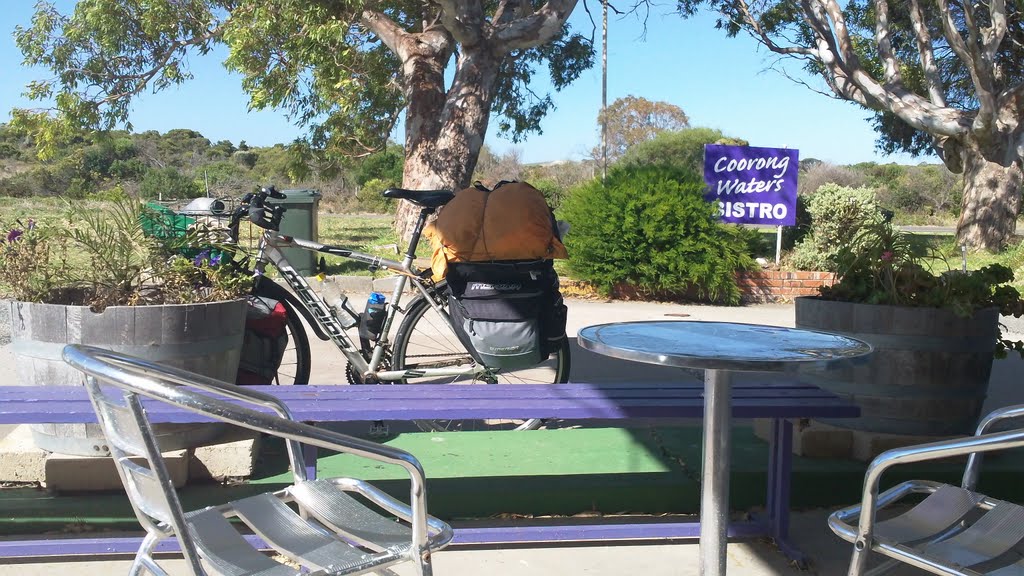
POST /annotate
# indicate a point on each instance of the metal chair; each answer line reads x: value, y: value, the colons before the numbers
x: 321, y: 527
x: 954, y: 530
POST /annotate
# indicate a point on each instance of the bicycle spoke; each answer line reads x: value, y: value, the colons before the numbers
x: 425, y: 340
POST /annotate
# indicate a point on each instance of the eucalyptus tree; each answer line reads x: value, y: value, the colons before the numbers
x: 346, y: 69
x: 941, y: 75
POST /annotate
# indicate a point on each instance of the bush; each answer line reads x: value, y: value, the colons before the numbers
x: 168, y: 183
x: 553, y: 193
x: 368, y: 198
x: 683, y: 149
x: 246, y: 158
x: 792, y: 235
x: 115, y: 194
x: 819, y: 173
x: 651, y: 228
x: 34, y: 182
x: 836, y: 213
x: 385, y: 165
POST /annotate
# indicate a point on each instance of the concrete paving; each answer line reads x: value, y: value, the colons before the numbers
x: 829, y: 557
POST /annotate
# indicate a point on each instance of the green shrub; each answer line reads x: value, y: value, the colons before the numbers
x: 650, y: 228
x: 368, y: 198
x: 385, y: 165
x: 168, y: 183
x: 836, y: 213
x: 683, y: 149
x: 246, y: 158
x: 553, y: 193
x: 115, y: 194
x: 792, y: 235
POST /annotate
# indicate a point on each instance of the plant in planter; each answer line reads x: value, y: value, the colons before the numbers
x: 95, y: 277
x: 934, y: 335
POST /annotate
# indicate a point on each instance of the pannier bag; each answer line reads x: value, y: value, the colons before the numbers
x: 509, y: 313
x: 265, y: 341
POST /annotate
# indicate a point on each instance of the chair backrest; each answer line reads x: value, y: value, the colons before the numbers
x: 139, y: 461
x: 116, y: 384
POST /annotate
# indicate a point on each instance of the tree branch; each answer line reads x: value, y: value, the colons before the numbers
x: 986, y: 102
x: 993, y: 36
x: 538, y: 28
x: 142, y: 79
x: 758, y: 33
x: 844, y: 75
x: 389, y: 32
x: 842, y: 34
x: 464, y: 19
x: 509, y: 10
x: 892, y: 66
x: 927, y: 54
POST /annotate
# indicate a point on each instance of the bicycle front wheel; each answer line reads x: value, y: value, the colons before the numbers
x: 425, y: 339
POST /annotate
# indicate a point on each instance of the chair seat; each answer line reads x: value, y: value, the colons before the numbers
x: 340, y: 535
x: 951, y: 527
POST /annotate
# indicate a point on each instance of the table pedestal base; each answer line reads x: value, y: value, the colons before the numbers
x: 714, y: 487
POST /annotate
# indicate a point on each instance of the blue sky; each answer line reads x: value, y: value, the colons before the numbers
x: 719, y: 82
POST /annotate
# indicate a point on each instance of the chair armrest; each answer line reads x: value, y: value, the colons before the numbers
x: 1005, y: 413
x: 973, y: 469
x: 923, y: 453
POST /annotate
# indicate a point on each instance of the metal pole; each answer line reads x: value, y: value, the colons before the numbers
x: 778, y: 244
x: 604, y: 90
x: 714, y: 488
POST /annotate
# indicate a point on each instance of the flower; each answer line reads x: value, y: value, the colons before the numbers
x: 116, y: 256
x: 201, y: 257
x: 887, y: 256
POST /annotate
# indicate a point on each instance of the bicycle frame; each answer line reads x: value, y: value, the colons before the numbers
x: 269, y: 252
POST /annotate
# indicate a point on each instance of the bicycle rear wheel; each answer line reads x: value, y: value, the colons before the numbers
x: 425, y: 340
x: 295, y: 364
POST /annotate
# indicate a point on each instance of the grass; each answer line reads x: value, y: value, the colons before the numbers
x: 374, y: 234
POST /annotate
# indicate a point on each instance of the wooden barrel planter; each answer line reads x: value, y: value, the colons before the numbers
x: 202, y: 338
x: 928, y: 375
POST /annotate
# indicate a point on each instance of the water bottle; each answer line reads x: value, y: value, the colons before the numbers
x: 372, y: 319
x: 338, y: 303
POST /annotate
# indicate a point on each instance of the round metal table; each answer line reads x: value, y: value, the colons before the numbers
x: 719, y: 348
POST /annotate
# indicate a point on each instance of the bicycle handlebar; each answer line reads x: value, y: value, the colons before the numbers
x: 254, y: 206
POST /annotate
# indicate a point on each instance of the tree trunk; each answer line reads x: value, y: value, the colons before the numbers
x: 991, y: 197
x: 443, y: 140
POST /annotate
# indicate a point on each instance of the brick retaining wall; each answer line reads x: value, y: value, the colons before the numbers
x: 757, y: 287
x: 781, y: 286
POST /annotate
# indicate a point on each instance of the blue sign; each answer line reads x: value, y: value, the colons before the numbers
x: 752, y: 185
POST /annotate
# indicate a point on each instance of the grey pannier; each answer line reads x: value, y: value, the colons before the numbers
x: 501, y: 310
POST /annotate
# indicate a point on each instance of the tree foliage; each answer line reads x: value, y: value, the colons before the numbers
x: 344, y: 70
x: 946, y: 76
x: 631, y: 120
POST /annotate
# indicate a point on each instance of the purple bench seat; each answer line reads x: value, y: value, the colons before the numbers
x: 623, y: 403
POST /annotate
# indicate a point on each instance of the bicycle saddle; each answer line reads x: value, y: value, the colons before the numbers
x: 421, y: 198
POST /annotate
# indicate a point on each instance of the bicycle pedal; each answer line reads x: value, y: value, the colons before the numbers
x: 379, y: 428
